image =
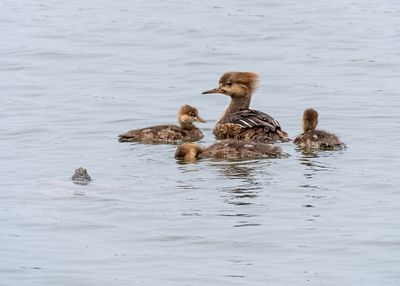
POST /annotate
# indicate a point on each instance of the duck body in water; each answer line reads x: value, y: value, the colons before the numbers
x: 312, y: 138
x: 239, y: 121
x: 185, y: 132
x: 228, y: 149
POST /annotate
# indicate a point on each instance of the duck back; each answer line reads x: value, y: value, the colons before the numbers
x: 319, y: 139
x: 250, y: 125
x: 161, y: 134
x: 241, y: 149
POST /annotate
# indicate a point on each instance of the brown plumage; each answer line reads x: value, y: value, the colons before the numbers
x: 240, y: 122
x: 311, y: 138
x: 228, y: 149
x: 185, y: 132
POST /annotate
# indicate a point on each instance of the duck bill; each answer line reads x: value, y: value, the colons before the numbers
x: 215, y: 90
x: 199, y: 119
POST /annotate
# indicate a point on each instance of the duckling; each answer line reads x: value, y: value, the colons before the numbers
x: 185, y: 132
x: 240, y: 122
x: 311, y: 138
x: 228, y: 149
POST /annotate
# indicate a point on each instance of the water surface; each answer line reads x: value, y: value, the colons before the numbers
x: 76, y: 74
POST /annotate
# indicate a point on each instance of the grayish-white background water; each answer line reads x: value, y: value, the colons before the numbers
x: 75, y: 74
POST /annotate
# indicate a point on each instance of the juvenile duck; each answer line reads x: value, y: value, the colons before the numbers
x: 240, y: 122
x: 311, y: 138
x: 228, y: 149
x: 185, y: 132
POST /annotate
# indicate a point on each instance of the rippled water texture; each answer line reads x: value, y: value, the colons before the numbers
x: 75, y: 74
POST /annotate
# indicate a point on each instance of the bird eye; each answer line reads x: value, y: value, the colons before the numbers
x: 229, y: 83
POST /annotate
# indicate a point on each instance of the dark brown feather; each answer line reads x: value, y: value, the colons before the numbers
x: 241, y: 149
x: 239, y: 121
x: 318, y: 139
x: 251, y: 125
x: 186, y: 132
x: 161, y: 134
x: 229, y: 149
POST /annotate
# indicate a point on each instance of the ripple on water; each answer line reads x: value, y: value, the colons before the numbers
x: 77, y: 74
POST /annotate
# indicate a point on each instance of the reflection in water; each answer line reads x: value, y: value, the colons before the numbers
x: 246, y: 170
x: 249, y: 173
x: 236, y: 170
x: 242, y: 194
x: 237, y: 215
x: 237, y: 182
x: 191, y: 212
x: 313, y: 165
x: 186, y: 168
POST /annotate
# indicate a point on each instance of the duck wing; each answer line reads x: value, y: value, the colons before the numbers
x: 158, y: 133
x: 252, y: 119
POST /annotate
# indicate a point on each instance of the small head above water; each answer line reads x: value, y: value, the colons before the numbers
x: 188, y: 114
x: 81, y: 176
x: 236, y: 84
x: 188, y: 151
x: 310, y: 119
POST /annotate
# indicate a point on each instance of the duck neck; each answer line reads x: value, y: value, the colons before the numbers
x: 197, y: 152
x: 187, y: 126
x: 236, y: 104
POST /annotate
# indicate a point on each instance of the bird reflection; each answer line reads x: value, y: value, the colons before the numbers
x: 237, y: 183
x: 236, y: 170
x: 312, y: 163
x: 240, y: 196
x: 315, y: 163
x: 247, y: 173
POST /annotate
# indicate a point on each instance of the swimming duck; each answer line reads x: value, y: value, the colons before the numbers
x: 228, y: 149
x: 311, y: 138
x: 186, y: 131
x: 240, y: 122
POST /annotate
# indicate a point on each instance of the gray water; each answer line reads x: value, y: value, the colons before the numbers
x: 75, y: 74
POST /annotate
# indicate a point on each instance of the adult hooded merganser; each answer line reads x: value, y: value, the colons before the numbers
x: 240, y: 122
x: 228, y: 149
x: 311, y: 138
x: 185, y: 132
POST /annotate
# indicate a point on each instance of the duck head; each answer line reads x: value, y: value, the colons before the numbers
x: 188, y: 151
x: 188, y: 114
x: 236, y: 84
x: 310, y: 119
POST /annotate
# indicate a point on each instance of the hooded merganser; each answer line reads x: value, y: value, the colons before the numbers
x: 185, y: 132
x: 240, y: 122
x: 311, y: 138
x: 228, y: 149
